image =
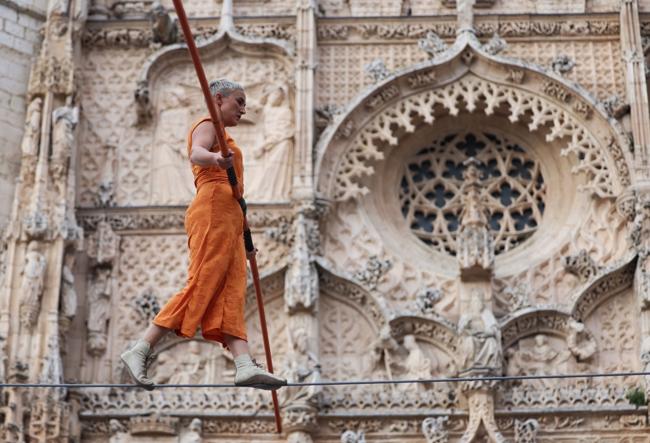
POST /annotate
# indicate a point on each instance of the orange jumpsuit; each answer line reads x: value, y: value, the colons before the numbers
x: 215, y: 293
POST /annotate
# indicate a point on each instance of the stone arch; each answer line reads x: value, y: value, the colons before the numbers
x: 350, y: 321
x: 468, y: 79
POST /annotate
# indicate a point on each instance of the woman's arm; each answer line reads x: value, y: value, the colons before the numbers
x: 203, y: 139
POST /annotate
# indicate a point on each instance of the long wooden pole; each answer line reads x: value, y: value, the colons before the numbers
x: 215, y: 114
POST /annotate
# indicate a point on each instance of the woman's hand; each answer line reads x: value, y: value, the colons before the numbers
x: 251, y: 254
x: 223, y: 162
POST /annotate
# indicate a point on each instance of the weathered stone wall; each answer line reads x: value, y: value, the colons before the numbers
x: 20, y: 22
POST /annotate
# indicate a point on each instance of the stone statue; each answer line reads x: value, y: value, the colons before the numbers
x: 581, y: 344
x: 32, y: 132
x: 301, y: 280
x: 119, y: 433
x: 475, y: 247
x: 193, y: 433
x: 172, y: 179
x: 303, y: 368
x: 106, y: 188
x: 275, y: 149
x: 378, y: 357
x: 435, y: 429
x: 427, y: 299
x: 480, y: 336
x: 353, y: 437
x: 68, y: 300
x: 163, y: 26
x: 64, y: 121
x: 191, y: 365
x: 99, y: 303
x: 32, y: 286
x: 416, y: 365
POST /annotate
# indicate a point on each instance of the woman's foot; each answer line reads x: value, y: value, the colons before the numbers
x: 136, y: 361
x: 251, y: 374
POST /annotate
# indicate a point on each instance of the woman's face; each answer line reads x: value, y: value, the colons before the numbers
x: 232, y: 107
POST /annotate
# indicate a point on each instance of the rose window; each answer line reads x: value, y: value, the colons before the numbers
x: 513, y: 190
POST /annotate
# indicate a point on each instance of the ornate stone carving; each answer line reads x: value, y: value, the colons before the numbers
x: 105, y: 196
x: 163, y: 26
x: 377, y: 70
x: 64, y: 121
x: 68, y: 297
x: 495, y: 45
x: 432, y: 45
x: 475, y: 248
x: 303, y: 367
x: 615, y: 106
x: 423, y: 78
x: 353, y: 437
x: 100, y: 292
x: 581, y: 265
x: 142, y: 102
x: 153, y: 424
x: 103, y: 244
x: 580, y: 342
x: 426, y: 300
x: 372, y: 272
x: 557, y: 91
x: 301, y: 280
x: 526, y: 431
x: 481, y: 410
x: 32, y: 285
x: 562, y: 64
x: 353, y: 164
x: 121, y: 37
x: 480, y: 337
x: 435, y: 429
x: 172, y: 180
x: 274, y: 149
x: 32, y: 130
x: 193, y: 432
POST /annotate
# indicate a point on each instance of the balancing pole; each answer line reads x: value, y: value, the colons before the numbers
x: 215, y: 114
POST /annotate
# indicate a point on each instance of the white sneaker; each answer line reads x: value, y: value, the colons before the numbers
x: 136, y: 361
x: 250, y: 373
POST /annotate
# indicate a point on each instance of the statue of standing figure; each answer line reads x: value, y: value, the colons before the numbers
x: 32, y: 286
x: 480, y: 336
x: 275, y: 151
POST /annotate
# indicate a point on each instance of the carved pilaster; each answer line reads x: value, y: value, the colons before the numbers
x: 305, y: 99
x: 637, y: 92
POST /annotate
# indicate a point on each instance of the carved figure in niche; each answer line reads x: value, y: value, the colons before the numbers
x: 172, y: 181
x: 32, y: 285
x: 193, y: 433
x: 416, y: 365
x: 106, y: 188
x: 32, y: 132
x: 538, y: 358
x: 480, y: 336
x: 378, y: 359
x: 301, y: 281
x: 190, y: 366
x: 193, y: 366
x: 99, y: 304
x: 164, y: 27
x: 274, y: 150
x: 119, y: 433
x: 64, y: 121
x: 303, y: 368
x: 68, y: 300
x: 435, y: 429
x: 580, y: 342
x: 353, y: 437
x: 215, y: 293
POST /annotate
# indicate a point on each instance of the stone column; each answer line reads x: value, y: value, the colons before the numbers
x: 305, y: 65
x: 637, y: 90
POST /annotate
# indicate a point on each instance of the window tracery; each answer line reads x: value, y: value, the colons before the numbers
x: 513, y: 189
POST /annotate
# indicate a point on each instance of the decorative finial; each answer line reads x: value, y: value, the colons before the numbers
x: 465, y: 14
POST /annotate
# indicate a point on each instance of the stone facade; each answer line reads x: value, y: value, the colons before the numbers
x: 437, y: 188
